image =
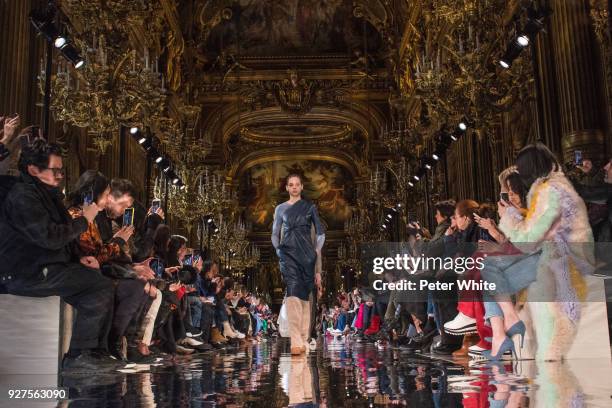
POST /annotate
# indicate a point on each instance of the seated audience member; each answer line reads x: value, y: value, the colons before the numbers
x: 131, y: 288
x: 39, y: 258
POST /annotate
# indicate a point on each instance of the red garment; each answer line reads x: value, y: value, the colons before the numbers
x: 359, y: 321
x: 180, y: 292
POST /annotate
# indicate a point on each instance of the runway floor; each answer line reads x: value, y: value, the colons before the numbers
x: 341, y: 373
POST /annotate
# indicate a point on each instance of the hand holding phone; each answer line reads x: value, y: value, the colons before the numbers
x: 504, y: 197
x: 128, y: 217
x: 155, y: 205
x: 125, y: 233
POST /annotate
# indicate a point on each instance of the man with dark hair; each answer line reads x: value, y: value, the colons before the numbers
x: 122, y: 197
x: 38, y: 255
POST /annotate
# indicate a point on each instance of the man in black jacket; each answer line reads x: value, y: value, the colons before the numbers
x: 39, y: 258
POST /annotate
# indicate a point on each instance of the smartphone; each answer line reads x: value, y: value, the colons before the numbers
x: 196, y: 258
x: 155, y: 204
x: 128, y: 217
x: 485, y: 236
x: 578, y: 157
x: 157, y: 266
x: 88, y: 198
x: 188, y: 260
x: 504, y: 197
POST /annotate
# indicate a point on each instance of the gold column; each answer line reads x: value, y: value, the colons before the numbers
x: 579, y: 86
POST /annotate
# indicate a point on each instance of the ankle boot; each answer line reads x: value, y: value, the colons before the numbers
x: 231, y: 333
x: 468, y: 341
x: 217, y: 337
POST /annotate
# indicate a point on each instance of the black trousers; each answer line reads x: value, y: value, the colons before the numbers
x: 445, y: 305
x: 129, y: 299
x: 206, y: 321
x: 85, y: 289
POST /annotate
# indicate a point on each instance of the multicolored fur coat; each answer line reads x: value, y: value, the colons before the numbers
x: 556, y: 222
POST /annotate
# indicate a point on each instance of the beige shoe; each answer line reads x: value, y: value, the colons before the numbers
x: 231, y: 333
x: 183, y: 350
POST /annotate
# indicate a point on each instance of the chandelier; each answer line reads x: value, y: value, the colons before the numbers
x: 113, y: 88
x: 200, y: 196
x: 249, y: 258
x: 455, y: 71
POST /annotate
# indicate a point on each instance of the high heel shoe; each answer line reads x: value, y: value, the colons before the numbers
x: 517, y: 328
x: 506, y: 345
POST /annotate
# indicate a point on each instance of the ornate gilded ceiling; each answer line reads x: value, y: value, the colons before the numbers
x: 259, y: 81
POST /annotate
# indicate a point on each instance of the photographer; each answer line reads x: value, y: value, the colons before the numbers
x: 39, y: 258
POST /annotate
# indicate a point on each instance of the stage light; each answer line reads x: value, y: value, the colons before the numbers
x: 411, y: 184
x: 210, y: 220
x: 417, y: 178
x: 462, y: 126
x: 384, y: 226
x: 176, y: 180
x: 72, y: 55
x: 399, y: 205
x: 389, y: 216
x: 523, y: 40
x: 453, y: 137
x: 435, y: 157
x: 142, y: 140
x: 183, y: 187
x: 159, y: 159
x: 505, y: 64
x: 216, y: 230
x: 60, y: 42
x: 134, y: 130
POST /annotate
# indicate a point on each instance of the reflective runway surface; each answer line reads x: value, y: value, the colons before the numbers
x: 342, y: 373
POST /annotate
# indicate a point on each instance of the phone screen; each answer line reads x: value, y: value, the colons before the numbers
x: 88, y: 198
x: 578, y: 157
x: 504, y: 197
x: 128, y: 217
x: 157, y: 266
x: 155, y: 205
x: 188, y: 260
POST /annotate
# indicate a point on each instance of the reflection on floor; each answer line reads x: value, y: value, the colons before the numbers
x: 342, y: 373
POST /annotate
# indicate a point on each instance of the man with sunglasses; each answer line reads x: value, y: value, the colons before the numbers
x: 39, y: 258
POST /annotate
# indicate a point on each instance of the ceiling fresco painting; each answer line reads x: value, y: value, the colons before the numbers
x: 290, y: 28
